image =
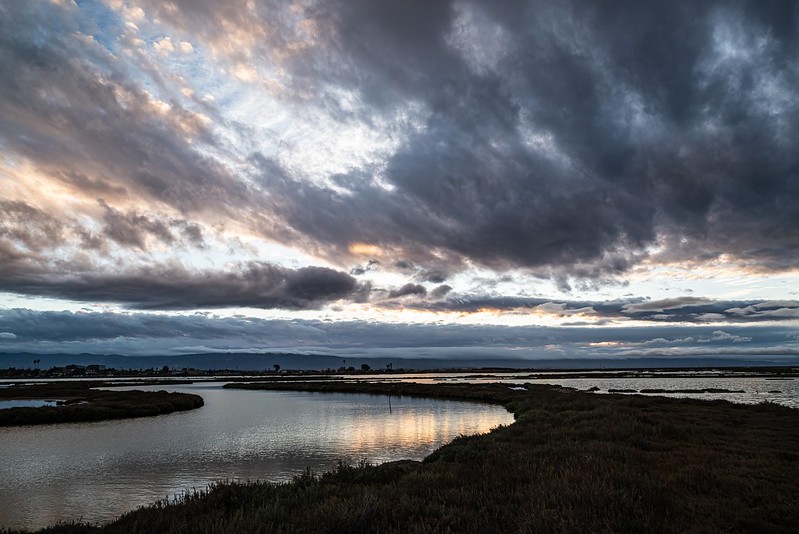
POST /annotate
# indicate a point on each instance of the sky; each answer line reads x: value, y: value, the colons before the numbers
x: 532, y: 180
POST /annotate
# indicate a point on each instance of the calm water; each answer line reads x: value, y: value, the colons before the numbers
x: 97, y: 471
x: 755, y: 389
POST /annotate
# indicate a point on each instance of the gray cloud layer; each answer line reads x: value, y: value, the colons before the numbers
x: 677, y: 310
x: 257, y: 285
x: 142, y: 333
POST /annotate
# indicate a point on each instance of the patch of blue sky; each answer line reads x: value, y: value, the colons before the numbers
x: 101, y: 22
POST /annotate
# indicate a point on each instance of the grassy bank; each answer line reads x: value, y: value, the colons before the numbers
x: 571, y: 462
x: 81, y: 403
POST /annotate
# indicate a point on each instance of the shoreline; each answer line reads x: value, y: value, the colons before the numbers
x: 571, y: 460
x: 80, y: 403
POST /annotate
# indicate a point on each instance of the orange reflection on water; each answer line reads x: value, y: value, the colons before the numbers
x: 412, y: 429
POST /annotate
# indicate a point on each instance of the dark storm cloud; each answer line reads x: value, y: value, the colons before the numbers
x: 441, y: 291
x: 591, y: 131
x: 371, y: 265
x: 436, y: 277
x: 407, y: 289
x: 143, y: 333
x: 254, y: 284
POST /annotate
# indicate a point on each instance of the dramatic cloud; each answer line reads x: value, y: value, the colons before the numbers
x: 441, y: 291
x: 566, y: 137
x: 543, y: 162
x: 591, y: 135
x: 256, y: 285
x: 407, y: 289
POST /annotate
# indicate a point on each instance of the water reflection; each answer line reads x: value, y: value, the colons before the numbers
x: 97, y: 471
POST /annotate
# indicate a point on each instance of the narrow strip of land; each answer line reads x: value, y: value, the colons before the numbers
x: 80, y: 402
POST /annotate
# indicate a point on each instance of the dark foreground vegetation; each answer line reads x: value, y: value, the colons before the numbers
x: 572, y: 462
x: 79, y: 402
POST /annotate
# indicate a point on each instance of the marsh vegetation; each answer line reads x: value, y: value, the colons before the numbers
x: 80, y: 402
x: 571, y: 461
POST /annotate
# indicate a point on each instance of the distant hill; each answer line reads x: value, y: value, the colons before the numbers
x: 288, y: 361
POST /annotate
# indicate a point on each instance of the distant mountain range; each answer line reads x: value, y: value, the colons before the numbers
x: 287, y: 361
